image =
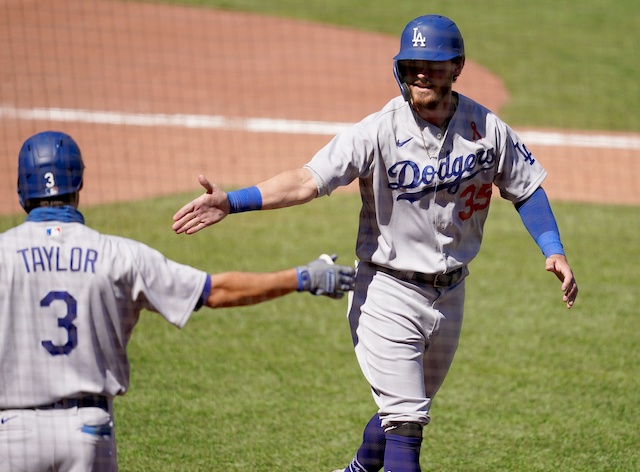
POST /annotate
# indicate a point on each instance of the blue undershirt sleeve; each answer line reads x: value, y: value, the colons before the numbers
x: 206, y: 290
x: 538, y: 218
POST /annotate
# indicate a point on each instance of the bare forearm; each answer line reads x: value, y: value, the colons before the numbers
x: 246, y: 288
x: 288, y: 188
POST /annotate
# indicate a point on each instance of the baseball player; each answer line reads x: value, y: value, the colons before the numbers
x: 69, y: 300
x: 426, y: 164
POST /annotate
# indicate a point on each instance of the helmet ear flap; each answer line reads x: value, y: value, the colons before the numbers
x: 404, y: 88
x: 406, y: 92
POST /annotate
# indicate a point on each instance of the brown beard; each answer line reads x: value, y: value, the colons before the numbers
x: 436, y: 96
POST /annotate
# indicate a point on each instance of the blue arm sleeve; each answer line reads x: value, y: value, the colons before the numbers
x: 538, y: 218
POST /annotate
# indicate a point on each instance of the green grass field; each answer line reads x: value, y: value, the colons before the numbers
x: 535, y: 387
x: 275, y: 387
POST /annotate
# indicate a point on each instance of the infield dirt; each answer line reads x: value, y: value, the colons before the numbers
x: 161, y: 60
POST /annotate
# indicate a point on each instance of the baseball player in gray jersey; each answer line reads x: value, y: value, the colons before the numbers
x: 426, y: 165
x: 69, y: 300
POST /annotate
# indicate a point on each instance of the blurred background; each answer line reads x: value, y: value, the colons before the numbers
x: 157, y: 92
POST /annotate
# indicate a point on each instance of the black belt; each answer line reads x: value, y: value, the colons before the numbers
x: 89, y: 401
x: 435, y: 280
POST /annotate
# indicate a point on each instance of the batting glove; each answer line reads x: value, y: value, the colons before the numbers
x: 323, y: 277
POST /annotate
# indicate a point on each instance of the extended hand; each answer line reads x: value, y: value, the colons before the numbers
x: 209, y: 208
x: 558, y: 265
x: 323, y: 277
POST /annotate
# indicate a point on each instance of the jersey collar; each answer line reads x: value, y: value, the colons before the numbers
x: 64, y: 214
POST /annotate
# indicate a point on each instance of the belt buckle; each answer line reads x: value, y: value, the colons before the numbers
x: 435, y: 279
x: 449, y: 279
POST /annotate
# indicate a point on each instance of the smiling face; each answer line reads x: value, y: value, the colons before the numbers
x: 430, y: 82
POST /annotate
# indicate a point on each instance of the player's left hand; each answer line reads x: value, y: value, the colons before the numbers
x: 209, y: 208
x: 323, y: 277
x: 558, y: 264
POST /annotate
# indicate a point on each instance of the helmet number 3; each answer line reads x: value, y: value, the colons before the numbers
x: 50, y: 180
x: 66, y: 323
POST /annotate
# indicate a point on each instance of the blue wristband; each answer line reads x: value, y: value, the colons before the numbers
x: 246, y: 199
x: 550, y: 244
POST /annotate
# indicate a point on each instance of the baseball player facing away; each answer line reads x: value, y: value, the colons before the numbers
x: 69, y: 300
x: 426, y: 164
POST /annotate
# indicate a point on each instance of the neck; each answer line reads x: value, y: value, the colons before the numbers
x: 441, y: 113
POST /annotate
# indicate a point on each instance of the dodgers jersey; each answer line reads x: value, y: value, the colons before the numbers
x: 426, y: 193
x: 69, y: 300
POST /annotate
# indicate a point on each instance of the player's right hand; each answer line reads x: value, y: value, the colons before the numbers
x: 559, y: 265
x: 206, y: 210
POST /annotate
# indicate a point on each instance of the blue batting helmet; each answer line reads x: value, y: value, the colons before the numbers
x: 49, y: 164
x: 428, y: 38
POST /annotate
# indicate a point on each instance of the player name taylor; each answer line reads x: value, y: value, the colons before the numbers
x: 58, y: 259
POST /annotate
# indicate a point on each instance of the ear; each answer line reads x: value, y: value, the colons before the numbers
x: 459, y: 64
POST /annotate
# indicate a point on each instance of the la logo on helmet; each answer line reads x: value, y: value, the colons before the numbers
x: 418, y: 39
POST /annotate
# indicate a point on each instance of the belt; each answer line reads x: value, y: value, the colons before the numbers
x: 435, y: 280
x: 89, y: 401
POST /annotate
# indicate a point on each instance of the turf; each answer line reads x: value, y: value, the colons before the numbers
x: 275, y: 387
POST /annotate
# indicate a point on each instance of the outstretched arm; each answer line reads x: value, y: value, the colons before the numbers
x: 538, y: 218
x: 288, y: 188
x: 319, y: 277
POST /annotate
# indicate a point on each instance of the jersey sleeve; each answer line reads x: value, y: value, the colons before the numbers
x: 164, y: 286
x: 345, y: 158
x: 519, y: 173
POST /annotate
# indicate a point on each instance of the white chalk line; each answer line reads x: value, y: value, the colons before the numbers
x: 269, y: 125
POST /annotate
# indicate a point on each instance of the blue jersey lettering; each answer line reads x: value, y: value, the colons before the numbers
x: 53, y: 259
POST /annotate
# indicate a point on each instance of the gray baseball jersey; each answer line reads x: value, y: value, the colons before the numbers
x: 425, y: 198
x: 426, y: 193
x: 69, y: 300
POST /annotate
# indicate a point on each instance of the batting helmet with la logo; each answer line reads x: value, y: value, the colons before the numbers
x: 428, y: 38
